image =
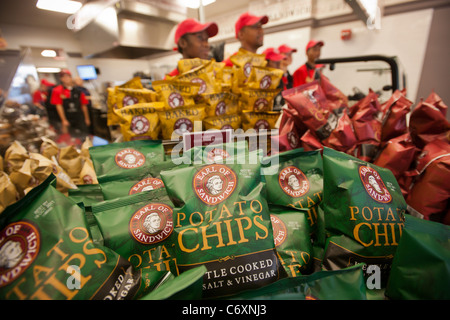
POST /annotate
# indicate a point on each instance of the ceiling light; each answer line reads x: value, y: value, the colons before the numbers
x: 64, y: 6
x: 195, y: 4
x: 48, y: 70
x: 48, y: 53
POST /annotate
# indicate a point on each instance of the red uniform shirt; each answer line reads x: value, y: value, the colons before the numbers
x: 39, y: 96
x: 173, y: 73
x: 60, y: 93
x: 303, y: 75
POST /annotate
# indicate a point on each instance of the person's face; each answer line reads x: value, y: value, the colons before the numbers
x: 273, y: 64
x: 313, y: 53
x: 252, y: 36
x: 195, y: 45
x: 288, y: 59
x: 284, y: 65
x: 67, y: 80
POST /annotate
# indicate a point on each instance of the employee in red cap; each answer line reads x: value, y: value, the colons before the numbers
x: 274, y: 58
x: 71, y: 105
x: 40, y: 95
x: 287, y: 51
x: 249, y: 32
x: 191, y: 38
x: 309, y: 71
x: 278, y: 61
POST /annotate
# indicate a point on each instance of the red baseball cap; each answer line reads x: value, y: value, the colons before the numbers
x: 286, y: 49
x: 64, y: 71
x: 246, y: 19
x: 272, y: 54
x: 313, y: 43
x: 193, y: 26
x: 47, y: 83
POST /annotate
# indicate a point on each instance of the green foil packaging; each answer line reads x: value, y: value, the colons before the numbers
x: 363, y: 214
x: 47, y: 253
x: 222, y: 221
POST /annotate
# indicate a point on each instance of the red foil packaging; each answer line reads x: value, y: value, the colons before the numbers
x: 309, y: 142
x: 428, y: 121
x: 398, y: 155
x: 364, y: 115
x: 436, y: 101
x: 335, y: 98
x: 366, y: 108
x: 342, y: 138
x: 430, y: 194
x: 288, y: 137
x: 310, y: 103
x: 395, y: 116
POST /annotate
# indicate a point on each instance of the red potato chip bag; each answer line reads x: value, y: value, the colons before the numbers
x: 336, y: 99
x: 426, y: 123
x: 364, y: 118
x: 309, y: 142
x: 395, y: 118
x: 430, y: 193
x: 436, y: 101
x: 342, y: 138
x: 366, y: 108
x: 367, y: 131
x: 288, y: 137
x: 397, y: 155
x: 310, y: 102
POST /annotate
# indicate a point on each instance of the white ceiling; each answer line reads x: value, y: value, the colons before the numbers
x: 24, y: 12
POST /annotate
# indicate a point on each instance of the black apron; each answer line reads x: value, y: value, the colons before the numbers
x: 74, y: 113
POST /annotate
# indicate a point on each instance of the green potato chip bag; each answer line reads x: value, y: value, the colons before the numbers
x: 125, y: 156
x: 86, y: 194
x: 47, y: 253
x: 364, y: 215
x: 291, y: 234
x: 186, y: 286
x: 420, y: 269
x: 344, y: 284
x: 137, y: 227
x: 222, y: 221
x: 296, y: 181
x: 142, y: 179
x: 216, y: 153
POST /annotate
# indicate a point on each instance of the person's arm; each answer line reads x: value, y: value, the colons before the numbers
x: 56, y: 100
x: 85, y: 110
x: 84, y: 102
x: 299, y: 76
x: 62, y: 116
